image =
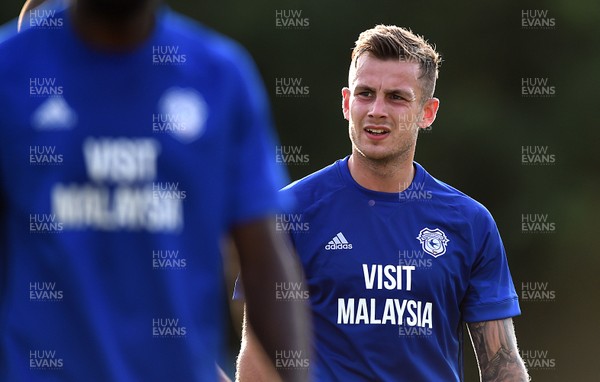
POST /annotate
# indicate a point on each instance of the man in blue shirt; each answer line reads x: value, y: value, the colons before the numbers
x: 131, y: 140
x: 396, y: 260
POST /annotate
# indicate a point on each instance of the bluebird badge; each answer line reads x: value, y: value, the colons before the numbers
x: 433, y: 241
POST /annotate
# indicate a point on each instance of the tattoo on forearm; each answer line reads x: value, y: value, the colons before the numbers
x: 496, y: 348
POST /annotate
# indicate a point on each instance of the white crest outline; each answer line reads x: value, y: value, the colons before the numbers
x: 433, y: 241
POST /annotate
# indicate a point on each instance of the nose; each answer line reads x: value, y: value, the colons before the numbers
x: 378, y: 109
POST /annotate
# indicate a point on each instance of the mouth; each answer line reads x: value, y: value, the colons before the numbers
x: 377, y: 131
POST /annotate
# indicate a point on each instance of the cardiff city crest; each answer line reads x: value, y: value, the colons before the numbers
x: 183, y: 113
x: 433, y: 241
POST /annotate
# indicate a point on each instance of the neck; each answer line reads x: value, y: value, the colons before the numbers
x: 381, y: 176
x: 113, y: 33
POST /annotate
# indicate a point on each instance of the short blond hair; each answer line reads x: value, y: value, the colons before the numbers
x: 392, y: 42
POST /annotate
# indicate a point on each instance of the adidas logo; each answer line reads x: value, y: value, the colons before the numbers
x: 338, y: 242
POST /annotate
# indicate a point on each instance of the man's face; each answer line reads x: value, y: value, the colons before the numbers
x: 384, y: 107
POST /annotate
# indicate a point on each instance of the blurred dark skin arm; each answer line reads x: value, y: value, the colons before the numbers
x: 252, y: 363
x: 266, y: 258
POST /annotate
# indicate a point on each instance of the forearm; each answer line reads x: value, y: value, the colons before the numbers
x: 252, y: 362
x: 279, y: 326
x: 497, y: 353
x: 506, y: 366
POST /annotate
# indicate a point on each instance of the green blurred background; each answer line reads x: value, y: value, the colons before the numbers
x: 477, y: 140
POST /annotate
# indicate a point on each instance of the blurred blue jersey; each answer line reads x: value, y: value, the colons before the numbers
x: 119, y: 173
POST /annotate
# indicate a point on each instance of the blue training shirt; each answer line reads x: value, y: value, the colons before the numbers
x: 119, y: 173
x: 392, y: 276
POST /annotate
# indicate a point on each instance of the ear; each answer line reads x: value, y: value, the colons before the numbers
x: 346, y: 103
x: 429, y: 113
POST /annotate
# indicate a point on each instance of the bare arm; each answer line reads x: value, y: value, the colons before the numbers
x: 266, y: 260
x: 253, y: 365
x: 495, y: 345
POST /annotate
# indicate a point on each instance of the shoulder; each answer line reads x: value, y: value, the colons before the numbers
x: 317, y: 186
x: 462, y: 204
x: 26, y: 55
x: 27, y: 43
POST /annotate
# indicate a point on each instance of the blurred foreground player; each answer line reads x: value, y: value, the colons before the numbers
x: 395, y: 259
x: 131, y: 140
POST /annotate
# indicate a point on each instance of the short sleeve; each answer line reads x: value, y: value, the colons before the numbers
x: 490, y: 294
x: 255, y: 175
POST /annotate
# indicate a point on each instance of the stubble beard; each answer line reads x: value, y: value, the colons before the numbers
x: 390, y: 159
